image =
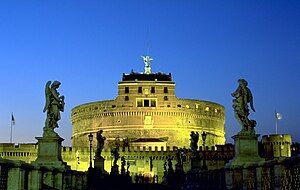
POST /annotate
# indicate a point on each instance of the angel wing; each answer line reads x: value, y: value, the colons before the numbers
x: 250, y: 99
x: 47, y: 95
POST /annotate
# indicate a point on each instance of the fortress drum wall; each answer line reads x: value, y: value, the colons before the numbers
x: 147, y: 108
x: 173, y: 123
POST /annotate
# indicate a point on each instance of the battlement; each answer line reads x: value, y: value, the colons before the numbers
x: 277, y: 139
x: 30, y: 150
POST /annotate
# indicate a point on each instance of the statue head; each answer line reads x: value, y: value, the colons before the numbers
x: 243, y: 82
x: 55, y: 84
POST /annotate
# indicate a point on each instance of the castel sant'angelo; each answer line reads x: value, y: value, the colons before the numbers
x: 147, y: 121
x: 147, y: 112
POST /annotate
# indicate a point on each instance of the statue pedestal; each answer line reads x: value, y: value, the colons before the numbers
x: 179, y: 168
x: 99, y: 164
x: 115, y: 170
x: 246, y: 150
x: 49, y: 153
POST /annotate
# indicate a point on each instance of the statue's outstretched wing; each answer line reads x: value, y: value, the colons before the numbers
x: 250, y: 99
x: 47, y: 95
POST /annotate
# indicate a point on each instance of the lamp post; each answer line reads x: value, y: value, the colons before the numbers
x: 91, y: 140
x: 203, y: 135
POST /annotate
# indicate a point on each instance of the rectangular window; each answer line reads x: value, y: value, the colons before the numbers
x: 165, y: 89
x: 126, y: 98
x: 152, y: 90
x: 146, y: 103
x: 126, y: 90
x: 139, y: 103
x: 140, y: 90
x: 153, y: 103
x: 165, y: 97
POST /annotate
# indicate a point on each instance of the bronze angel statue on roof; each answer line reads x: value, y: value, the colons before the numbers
x: 54, y: 105
x: 243, y: 97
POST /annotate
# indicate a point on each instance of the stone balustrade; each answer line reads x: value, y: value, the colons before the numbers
x: 19, y: 175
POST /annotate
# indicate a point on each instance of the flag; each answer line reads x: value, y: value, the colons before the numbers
x: 13, y: 119
x: 278, y: 115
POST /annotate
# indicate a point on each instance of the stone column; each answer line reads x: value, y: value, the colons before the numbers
x: 277, y: 177
x: 15, y: 179
x: 259, y: 177
x: 58, y: 180
x: 245, y: 178
x: 35, y: 179
x: 48, y: 178
x: 75, y: 180
x: 228, y: 178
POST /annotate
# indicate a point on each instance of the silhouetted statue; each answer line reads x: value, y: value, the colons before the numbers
x: 180, y: 156
x: 126, y: 143
x: 243, y: 97
x: 115, y: 154
x: 194, y: 141
x: 123, y: 163
x: 117, y: 143
x: 127, y: 170
x: 100, y: 144
x: 53, y: 106
x: 170, y: 166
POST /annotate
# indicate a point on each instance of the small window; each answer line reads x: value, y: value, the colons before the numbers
x: 179, y: 106
x: 126, y: 98
x: 140, y: 90
x: 146, y: 103
x: 126, y: 90
x: 168, y: 106
x: 139, y: 103
x: 165, y: 89
x: 113, y: 106
x: 152, y: 90
x: 165, y: 97
x: 153, y: 103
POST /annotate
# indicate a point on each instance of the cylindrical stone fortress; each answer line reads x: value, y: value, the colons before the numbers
x: 147, y: 110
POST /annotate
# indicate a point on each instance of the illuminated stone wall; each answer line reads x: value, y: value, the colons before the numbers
x: 138, y: 157
x: 148, y: 109
x: 276, y: 146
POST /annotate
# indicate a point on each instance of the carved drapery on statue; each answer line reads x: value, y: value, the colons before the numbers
x: 54, y: 105
x: 243, y: 97
x: 115, y: 153
x: 100, y: 144
x: 194, y: 141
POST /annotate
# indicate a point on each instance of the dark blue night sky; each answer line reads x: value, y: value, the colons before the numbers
x: 206, y: 45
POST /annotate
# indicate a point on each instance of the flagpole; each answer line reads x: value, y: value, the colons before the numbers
x: 276, y: 125
x: 11, y: 131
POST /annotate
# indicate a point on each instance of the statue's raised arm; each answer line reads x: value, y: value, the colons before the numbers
x: 53, y: 106
x: 243, y: 97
